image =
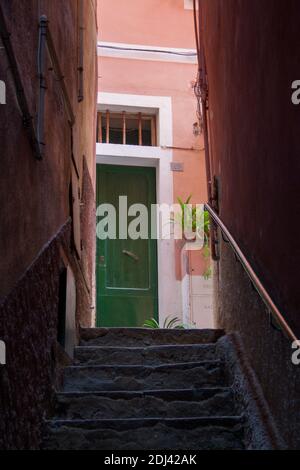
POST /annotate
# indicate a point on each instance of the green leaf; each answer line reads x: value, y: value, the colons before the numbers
x: 188, y: 199
x: 171, y: 322
x: 207, y: 274
x: 181, y: 203
x: 152, y: 323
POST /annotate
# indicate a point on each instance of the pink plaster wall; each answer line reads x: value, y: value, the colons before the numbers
x: 164, y: 79
x: 148, y: 22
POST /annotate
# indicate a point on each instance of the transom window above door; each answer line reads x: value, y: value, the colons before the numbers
x: 126, y: 128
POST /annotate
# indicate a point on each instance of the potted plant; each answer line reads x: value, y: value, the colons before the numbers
x: 169, y: 324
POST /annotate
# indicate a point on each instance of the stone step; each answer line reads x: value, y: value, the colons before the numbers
x: 145, y: 404
x: 213, y: 433
x: 191, y: 374
x: 160, y: 354
x: 146, y: 337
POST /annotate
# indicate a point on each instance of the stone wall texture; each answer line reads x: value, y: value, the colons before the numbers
x: 238, y: 308
x: 29, y: 319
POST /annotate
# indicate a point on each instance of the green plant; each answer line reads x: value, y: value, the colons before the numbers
x: 207, y: 273
x: 169, y: 323
x: 189, y: 218
x: 206, y: 227
x: 152, y: 323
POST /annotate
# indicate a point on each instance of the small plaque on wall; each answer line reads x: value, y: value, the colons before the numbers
x: 177, y: 166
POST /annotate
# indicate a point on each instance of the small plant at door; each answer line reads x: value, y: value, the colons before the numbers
x: 192, y: 220
x: 194, y: 224
x: 169, y: 323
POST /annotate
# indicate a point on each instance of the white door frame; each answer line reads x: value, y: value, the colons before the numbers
x: 160, y: 157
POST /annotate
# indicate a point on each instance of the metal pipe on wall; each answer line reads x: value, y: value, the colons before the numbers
x: 43, y: 25
x: 201, y: 91
x: 80, y: 51
x: 20, y: 92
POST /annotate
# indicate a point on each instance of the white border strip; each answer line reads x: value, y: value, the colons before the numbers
x: 189, y: 5
x: 137, y: 51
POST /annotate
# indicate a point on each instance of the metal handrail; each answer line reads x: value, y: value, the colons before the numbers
x: 266, y: 298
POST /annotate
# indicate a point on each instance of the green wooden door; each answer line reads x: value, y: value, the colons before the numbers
x: 126, y: 269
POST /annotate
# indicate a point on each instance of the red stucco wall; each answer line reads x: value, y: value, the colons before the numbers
x: 252, y: 51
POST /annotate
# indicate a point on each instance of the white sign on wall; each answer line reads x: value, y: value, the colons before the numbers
x: 2, y: 92
x: 2, y: 353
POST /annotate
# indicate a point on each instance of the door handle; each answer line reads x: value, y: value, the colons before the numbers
x: 131, y: 255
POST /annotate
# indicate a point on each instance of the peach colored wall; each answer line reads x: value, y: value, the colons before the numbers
x: 164, y: 79
x: 148, y: 22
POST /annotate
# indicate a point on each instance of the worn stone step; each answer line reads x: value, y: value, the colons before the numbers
x: 140, y: 404
x: 213, y: 433
x: 97, y: 378
x: 146, y: 337
x: 98, y: 355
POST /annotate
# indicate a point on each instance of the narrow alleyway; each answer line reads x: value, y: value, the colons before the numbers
x: 115, y: 333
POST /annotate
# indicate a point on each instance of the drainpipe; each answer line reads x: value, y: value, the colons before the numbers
x: 20, y: 92
x: 43, y: 25
x: 203, y: 86
x: 80, y: 51
x: 201, y: 90
x: 204, y: 103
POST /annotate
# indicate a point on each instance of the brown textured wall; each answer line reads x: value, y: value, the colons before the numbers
x: 36, y: 194
x: 35, y: 224
x: 252, y: 53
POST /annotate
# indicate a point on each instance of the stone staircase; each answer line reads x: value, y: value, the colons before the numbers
x: 138, y: 389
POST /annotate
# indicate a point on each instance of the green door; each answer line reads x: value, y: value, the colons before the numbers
x: 126, y: 268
